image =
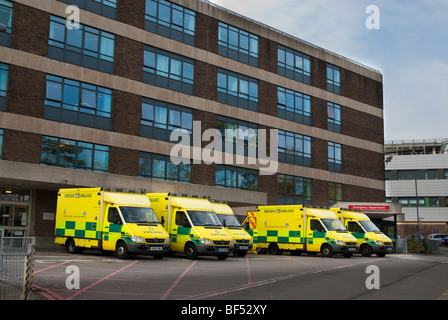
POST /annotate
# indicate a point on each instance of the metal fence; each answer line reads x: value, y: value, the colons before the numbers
x: 16, y: 266
x: 417, y: 246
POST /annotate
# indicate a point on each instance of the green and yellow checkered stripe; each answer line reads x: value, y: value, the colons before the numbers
x: 286, y: 236
x: 77, y: 229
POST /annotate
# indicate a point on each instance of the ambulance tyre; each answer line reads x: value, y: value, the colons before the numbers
x: 366, y: 250
x: 326, y: 250
x: 190, y: 251
x: 122, y: 250
x: 274, y: 249
x: 71, y: 247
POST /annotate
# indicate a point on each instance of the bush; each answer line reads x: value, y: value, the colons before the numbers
x: 417, y: 246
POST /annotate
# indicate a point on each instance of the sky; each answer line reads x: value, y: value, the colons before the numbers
x: 410, y: 49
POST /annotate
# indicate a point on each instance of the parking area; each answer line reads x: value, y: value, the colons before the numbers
x: 59, y: 275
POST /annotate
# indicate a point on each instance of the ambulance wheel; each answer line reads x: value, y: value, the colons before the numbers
x: 71, y: 247
x: 326, y: 250
x: 122, y: 250
x: 366, y: 250
x: 274, y: 249
x: 191, y: 252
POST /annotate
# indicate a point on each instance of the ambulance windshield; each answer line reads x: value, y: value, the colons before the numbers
x: 333, y: 225
x: 369, y: 226
x: 139, y: 215
x: 229, y: 221
x: 204, y: 218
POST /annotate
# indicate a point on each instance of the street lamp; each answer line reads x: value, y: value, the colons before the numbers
x: 416, y: 198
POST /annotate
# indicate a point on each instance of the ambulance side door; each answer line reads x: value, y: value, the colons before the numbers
x: 180, y: 231
x: 315, y: 235
x: 112, y: 226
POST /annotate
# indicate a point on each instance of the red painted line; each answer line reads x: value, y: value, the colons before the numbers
x: 101, y: 280
x: 47, y: 293
x: 54, y: 266
x: 167, y: 293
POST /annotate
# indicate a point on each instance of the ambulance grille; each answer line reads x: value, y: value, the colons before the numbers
x: 242, y: 241
x: 155, y: 240
x: 221, y: 243
x: 351, y: 243
x: 387, y: 243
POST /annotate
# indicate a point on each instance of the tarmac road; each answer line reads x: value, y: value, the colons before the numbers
x: 252, y: 278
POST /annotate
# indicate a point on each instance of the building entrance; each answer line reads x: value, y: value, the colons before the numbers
x: 15, y: 212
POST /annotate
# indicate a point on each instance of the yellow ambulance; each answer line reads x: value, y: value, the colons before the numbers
x: 298, y: 229
x: 370, y: 238
x: 243, y: 241
x: 121, y: 222
x: 194, y: 227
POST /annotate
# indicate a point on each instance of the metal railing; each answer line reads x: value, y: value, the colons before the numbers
x: 16, y: 266
x: 417, y: 246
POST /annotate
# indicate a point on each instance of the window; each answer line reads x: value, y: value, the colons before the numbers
x: 159, y: 119
x: 237, y: 90
x: 3, y: 85
x: 236, y: 178
x: 417, y: 174
x: 333, y: 79
x: 294, y: 106
x: 5, y: 18
x: 293, y: 190
x: 160, y: 167
x: 168, y: 70
x: 316, y: 226
x: 294, y: 65
x: 334, y: 193
x: 74, y: 154
x: 87, y: 47
x: 247, y: 136
x: 334, y: 117
x: 422, y: 202
x: 105, y: 8
x: 78, y: 103
x: 334, y: 157
x: 446, y: 174
x: 237, y: 44
x: 170, y: 20
x: 294, y: 148
x: 1, y: 143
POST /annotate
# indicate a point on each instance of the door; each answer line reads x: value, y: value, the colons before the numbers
x: 112, y: 228
x: 180, y: 231
x: 356, y: 230
x: 315, y: 235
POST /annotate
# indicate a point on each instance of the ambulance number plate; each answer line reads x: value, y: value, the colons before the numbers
x: 156, y: 249
x: 223, y: 250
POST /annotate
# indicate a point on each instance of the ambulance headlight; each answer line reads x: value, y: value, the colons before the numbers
x: 232, y: 242
x: 339, y: 242
x: 137, y: 239
x: 379, y: 242
x: 168, y: 240
x: 206, y: 241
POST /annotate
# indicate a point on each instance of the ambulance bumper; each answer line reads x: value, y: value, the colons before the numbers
x: 345, y: 249
x: 381, y: 249
x: 243, y: 247
x: 214, y: 250
x: 144, y: 248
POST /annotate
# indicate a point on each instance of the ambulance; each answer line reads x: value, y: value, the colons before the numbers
x: 370, y: 238
x: 298, y: 229
x: 194, y: 227
x: 120, y: 222
x: 243, y: 241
